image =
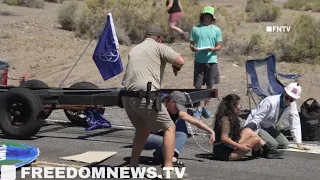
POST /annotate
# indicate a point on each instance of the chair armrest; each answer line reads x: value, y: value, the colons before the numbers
x: 288, y: 76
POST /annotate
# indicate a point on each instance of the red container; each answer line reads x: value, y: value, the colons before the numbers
x: 4, y: 70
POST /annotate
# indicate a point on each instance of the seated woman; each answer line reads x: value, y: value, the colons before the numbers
x: 177, y: 110
x: 232, y: 142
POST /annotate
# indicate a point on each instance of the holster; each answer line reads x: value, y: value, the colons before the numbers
x: 151, y: 96
x: 157, y: 103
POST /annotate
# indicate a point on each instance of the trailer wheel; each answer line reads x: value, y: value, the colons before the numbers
x: 78, y: 117
x: 37, y: 84
x: 21, y: 113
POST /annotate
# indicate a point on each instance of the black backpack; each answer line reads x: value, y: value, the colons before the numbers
x: 310, y: 120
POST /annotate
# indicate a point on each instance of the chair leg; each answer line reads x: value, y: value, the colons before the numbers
x: 253, y: 100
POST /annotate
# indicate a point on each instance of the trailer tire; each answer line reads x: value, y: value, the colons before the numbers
x: 73, y: 115
x: 28, y: 110
x: 37, y: 84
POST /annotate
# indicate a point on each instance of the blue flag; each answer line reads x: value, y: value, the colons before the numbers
x: 96, y: 120
x: 106, y: 55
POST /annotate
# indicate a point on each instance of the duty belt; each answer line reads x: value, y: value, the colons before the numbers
x: 154, y: 95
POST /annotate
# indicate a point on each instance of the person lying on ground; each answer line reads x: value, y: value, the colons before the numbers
x: 232, y: 142
x: 275, y: 113
x: 175, y: 104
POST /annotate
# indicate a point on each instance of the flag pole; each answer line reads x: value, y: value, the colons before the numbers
x: 92, y: 38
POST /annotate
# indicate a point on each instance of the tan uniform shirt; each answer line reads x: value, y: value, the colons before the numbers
x: 146, y: 63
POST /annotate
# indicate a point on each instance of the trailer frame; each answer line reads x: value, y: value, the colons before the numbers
x: 46, y: 99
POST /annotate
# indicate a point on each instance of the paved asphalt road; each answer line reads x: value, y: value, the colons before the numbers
x: 58, y: 139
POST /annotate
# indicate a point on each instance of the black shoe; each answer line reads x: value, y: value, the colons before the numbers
x: 274, y: 154
x: 270, y: 152
x: 257, y: 154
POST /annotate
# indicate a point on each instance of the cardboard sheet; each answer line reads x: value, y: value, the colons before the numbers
x: 314, y: 148
x: 90, y: 156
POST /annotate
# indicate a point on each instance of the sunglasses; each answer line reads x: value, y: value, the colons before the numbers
x: 288, y: 98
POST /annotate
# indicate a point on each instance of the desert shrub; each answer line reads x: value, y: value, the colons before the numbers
x: 6, y: 13
x: 67, y: 15
x: 12, y: 2
x: 26, y: 3
x: 259, y: 11
x: 228, y: 21
x: 302, y: 43
x: 248, y: 45
x: 263, y: 1
x: 132, y: 17
x: 91, y: 19
x: 306, y: 5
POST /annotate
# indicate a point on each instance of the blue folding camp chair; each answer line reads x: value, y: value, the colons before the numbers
x: 264, y: 78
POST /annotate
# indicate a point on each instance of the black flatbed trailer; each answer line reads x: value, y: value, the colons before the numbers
x: 24, y: 108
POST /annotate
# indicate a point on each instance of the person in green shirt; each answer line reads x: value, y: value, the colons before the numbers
x: 205, y: 41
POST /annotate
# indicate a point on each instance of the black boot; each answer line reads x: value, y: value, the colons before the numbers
x: 270, y: 152
x: 257, y: 154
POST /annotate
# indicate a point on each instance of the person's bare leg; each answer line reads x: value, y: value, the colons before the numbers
x: 138, y: 144
x: 172, y: 31
x: 173, y: 26
x: 247, y: 133
x: 252, y: 142
x: 169, y: 141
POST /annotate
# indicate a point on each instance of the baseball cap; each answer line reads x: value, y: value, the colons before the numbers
x: 155, y: 29
x: 209, y: 10
x: 180, y: 100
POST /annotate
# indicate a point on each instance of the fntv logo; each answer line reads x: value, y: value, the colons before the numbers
x: 278, y: 28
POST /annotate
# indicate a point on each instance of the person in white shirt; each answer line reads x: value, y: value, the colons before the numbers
x: 278, y: 112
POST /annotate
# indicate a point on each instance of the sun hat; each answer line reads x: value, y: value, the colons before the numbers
x: 209, y: 10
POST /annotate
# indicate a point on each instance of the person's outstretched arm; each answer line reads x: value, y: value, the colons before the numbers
x: 186, y: 117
